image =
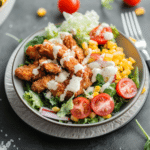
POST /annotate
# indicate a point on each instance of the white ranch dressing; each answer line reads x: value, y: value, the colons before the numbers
x: 48, y: 94
x: 62, y: 76
x: 109, y: 71
x: 90, y: 89
x: 63, y: 34
x: 56, y: 40
x: 79, y: 67
x: 56, y: 50
x: 94, y: 64
x: 95, y: 72
x: 67, y: 58
x: 107, y: 84
x: 35, y: 71
x: 69, y: 53
x: 86, y: 59
x: 87, y: 94
x: 46, y: 62
x: 52, y: 85
x: 100, y: 28
x: 108, y: 36
x: 73, y: 86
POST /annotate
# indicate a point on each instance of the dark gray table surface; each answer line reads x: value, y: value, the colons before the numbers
x: 23, y: 21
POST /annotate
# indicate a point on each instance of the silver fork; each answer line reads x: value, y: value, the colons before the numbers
x: 132, y: 29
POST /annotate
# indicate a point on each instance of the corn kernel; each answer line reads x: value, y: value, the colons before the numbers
x: 56, y: 109
x: 111, y: 45
x: 91, y: 60
x: 95, y: 94
x: 93, y: 47
x: 84, y: 45
x: 105, y: 51
x: 41, y: 12
x: 91, y: 42
x: 92, y: 115
x: 97, y: 88
x: 139, y: 11
x: 108, y: 116
x: 143, y: 91
x: 96, y: 51
x: 111, y: 51
x: 73, y: 118
x: 132, y: 60
x: 118, y: 76
x: 132, y: 39
x: 116, y: 61
x: 108, y: 57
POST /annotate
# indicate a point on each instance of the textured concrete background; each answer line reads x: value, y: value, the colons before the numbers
x: 23, y: 21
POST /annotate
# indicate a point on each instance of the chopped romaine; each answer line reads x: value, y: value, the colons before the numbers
x: 33, y: 99
x: 66, y: 107
x: 111, y: 90
x: 99, y: 80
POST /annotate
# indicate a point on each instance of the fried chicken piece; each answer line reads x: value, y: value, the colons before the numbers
x: 25, y: 72
x: 33, y: 52
x: 41, y: 84
x: 47, y: 50
x: 49, y: 66
x: 70, y: 43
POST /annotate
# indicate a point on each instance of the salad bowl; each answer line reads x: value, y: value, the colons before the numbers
x: 122, y: 41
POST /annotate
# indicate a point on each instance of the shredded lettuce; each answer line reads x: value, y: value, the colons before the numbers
x: 114, y: 31
x: 33, y: 99
x: 51, y: 31
x: 80, y: 23
x: 66, y: 107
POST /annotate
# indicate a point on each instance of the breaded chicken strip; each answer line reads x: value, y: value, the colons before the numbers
x: 41, y: 84
x: 33, y: 52
x: 49, y: 66
x: 25, y: 72
x: 70, y: 43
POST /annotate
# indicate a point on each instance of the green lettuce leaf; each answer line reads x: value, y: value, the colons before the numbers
x: 33, y: 99
x: 65, y: 108
x: 111, y: 90
x: 99, y: 80
x: 114, y: 31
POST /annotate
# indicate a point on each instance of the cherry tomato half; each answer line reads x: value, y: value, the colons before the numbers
x: 81, y: 108
x: 126, y: 88
x: 102, y: 104
x: 99, y: 38
x: 132, y: 2
x: 69, y: 6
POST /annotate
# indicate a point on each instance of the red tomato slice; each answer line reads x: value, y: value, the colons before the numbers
x: 132, y: 2
x: 95, y: 56
x: 99, y: 38
x: 102, y: 104
x: 126, y: 88
x: 81, y: 108
x: 69, y: 6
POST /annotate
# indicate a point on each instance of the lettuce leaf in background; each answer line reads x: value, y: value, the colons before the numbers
x: 81, y: 24
x: 33, y: 99
x: 51, y: 31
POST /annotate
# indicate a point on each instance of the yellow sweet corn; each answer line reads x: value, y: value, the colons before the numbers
x: 92, y: 115
x: 97, y: 88
x: 111, y: 45
x: 91, y: 42
x: 118, y: 76
x: 95, y: 94
x: 108, y: 57
x: 84, y: 45
x: 2, y: 2
x: 111, y: 51
x: 132, y: 39
x: 93, y: 47
x: 108, y: 116
x: 91, y: 60
x: 105, y: 51
x: 132, y: 60
x: 143, y: 91
x: 96, y: 51
x: 41, y: 12
x: 139, y: 11
x: 56, y: 109
x: 73, y: 118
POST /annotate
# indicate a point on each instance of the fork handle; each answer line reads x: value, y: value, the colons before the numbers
x: 146, y: 56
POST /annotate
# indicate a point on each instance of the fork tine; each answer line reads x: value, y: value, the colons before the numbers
x: 129, y: 26
x: 137, y: 24
x: 133, y: 26
x: 124, y: 24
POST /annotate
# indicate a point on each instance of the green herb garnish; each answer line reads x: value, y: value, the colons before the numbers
x: 14, y: 37
x: 147, y: 144
x: 114, y: 31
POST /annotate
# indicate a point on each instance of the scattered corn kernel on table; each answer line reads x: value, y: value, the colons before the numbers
x: 22, y: 22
